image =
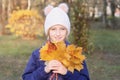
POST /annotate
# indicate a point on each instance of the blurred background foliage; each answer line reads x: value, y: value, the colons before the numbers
x: 95, y: 25
x: 82, y: 12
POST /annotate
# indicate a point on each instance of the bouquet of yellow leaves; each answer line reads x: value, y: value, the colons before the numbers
x: 70, y: 56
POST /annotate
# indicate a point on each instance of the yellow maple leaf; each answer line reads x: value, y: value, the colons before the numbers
x: 78, y: 67
x: 70, y: 68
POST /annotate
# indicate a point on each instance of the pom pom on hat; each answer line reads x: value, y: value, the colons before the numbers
x: 56, y: 15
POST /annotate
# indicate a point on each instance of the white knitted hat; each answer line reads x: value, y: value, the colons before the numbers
x: 57, y: 15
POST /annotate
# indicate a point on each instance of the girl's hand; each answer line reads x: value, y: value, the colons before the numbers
x: 56, y: 67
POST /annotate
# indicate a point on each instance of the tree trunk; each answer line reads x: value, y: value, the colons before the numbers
x: 24, y: 4
x: 29, y: 5
x: 10, y: 7
x: 3, y: 17
x: 104, y: 14
x: 113, y: 7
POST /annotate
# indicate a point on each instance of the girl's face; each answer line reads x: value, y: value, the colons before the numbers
x: 57, y: 33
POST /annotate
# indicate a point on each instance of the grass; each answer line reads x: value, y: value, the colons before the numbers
x: 14, y: 53
x: 106, y: 40
x: 103, y: 63
x: 104, y: 66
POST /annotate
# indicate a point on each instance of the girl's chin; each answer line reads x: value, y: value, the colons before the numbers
x: 55, y: 41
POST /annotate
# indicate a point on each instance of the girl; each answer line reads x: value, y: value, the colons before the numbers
x: 57, y: 29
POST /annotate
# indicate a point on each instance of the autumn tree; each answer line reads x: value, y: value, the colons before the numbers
x: 78, y: 15
x: 25, y: 21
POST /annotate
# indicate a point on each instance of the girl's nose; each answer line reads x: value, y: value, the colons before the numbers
x: 57, y: 32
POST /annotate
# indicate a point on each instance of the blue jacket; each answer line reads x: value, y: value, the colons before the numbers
x: 35, y: 70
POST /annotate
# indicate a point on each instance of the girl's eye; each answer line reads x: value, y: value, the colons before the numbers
x: 63, y: 29
x: 52, y: 28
